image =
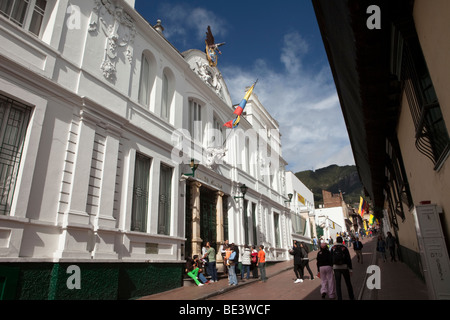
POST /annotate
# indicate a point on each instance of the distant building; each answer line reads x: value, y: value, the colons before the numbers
x: 302, y: 209
x: 333, y: 215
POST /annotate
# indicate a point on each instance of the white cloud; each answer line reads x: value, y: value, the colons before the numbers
x: 303, y: 101
x: 301, y: 97
x: 182, y: 20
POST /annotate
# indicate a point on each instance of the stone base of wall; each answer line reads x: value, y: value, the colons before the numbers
x: 86, y: 281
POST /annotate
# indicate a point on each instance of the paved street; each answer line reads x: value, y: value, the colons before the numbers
x: 282, y: 286
x: 398, y: 282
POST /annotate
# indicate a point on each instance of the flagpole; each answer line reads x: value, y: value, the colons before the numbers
x: 227, y: 137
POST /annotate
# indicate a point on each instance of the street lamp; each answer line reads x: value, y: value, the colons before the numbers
x: 244, y: 189
x: 193, y: 165
x: 290, y: 198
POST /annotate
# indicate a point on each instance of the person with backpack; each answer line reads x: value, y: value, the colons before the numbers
x: 342, y: 267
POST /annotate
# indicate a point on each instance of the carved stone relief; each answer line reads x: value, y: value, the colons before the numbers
x: 119, y: 29
x: 209, y: 75
x: 214, y: 157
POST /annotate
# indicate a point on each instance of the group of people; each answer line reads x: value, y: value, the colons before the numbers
x: 387, y: 244
x: 251, y: 260
x: 335, y: 263
x: 195, y: 266
x: 301, y: 260
x: 332, y: 265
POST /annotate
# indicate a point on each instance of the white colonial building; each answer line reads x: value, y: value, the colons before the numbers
x: 100, y: 117
x: 302, y: 209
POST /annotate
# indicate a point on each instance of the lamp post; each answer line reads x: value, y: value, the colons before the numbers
x: 193, y: 165
x: 244, y: 189
x: 290, y: 198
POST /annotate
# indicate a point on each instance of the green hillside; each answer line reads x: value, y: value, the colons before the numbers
x: 333, y: 178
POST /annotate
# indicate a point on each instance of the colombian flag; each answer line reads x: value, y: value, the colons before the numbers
x: 240, y: 108
x: 363, y: 206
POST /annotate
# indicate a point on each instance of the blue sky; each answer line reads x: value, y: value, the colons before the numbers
x: 278, y: 43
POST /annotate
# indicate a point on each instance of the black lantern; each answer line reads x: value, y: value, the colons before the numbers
x: 290, y: 198
x: 244, y: 189
x: 193, y: 165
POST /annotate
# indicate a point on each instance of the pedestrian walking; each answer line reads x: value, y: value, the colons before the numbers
x: 298, y: 270
x: 246, y: 262
x: 211, y: 266
x: 262, y: 263
x: 305, y: 259
x: 390, y: 243
x: 254, y: 267
x: 342, y: 267
x: 357, y: 246
x: 325, y: 268
x: 381, y: 247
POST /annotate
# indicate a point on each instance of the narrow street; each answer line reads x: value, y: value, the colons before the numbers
x: 282, y: 286
x: 398, y: 282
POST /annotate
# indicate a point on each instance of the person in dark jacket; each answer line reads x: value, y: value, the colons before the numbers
x: 298, y: 270
x: 357, y: 246
x: 325, y: 268
x: 305, y: 259
x: 342, y: 266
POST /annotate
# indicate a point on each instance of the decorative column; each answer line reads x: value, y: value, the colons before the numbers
x: 219, y: 227
x: 312, y: 221
x: 195, y: 205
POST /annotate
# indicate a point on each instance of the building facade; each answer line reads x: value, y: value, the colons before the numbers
x: 389, y: 63
x: 334, y: 216
x: 100, y: 118
x: 302, y: 209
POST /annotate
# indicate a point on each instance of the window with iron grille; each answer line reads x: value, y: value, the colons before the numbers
x: 432, y: 137
x: 139, y: 210
x: 14, y: 119
x: 27, y: 14
x: 164, y: 210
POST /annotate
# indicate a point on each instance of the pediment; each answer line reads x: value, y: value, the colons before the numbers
x: 210, y: 75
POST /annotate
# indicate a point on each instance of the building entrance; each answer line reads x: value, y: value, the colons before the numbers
x: 206, y: 218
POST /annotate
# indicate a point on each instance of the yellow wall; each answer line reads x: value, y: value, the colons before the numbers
x: 426, y: 184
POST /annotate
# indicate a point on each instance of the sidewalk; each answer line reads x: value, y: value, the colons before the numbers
x: 220, y: 287
x: 398, y: 282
